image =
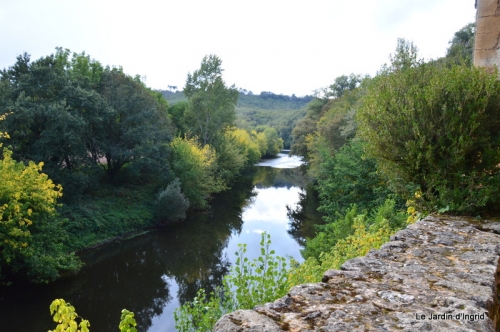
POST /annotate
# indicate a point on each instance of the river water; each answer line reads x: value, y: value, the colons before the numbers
x: 153, y: 274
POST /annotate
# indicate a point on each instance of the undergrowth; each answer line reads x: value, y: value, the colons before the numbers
x: 108, y: 213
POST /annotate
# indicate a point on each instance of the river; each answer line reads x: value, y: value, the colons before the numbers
x: 153, y: 274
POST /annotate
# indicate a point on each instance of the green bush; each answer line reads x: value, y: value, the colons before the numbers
x: 67, y: 318
x: 196, y: 167
x: 436, y: 128
x: 366, y: 232
x: 249, y: 283
x: 343, y: 227
x: 171, y: 204
x: 202, y: 313
x: 260, y: 280
x: 349, y: 177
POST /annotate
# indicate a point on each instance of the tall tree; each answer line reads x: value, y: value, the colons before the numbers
x: 137, y: 125
x: 343, y: 84
x: 71, y: 113
x: 211, y: 103
x: 51, y: 116
x: 406, y: 55
x: 462, y: 45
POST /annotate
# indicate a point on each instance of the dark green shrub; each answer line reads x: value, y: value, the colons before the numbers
x: 387, y: 214
x: 349, y: 177
x: 437, y: 128
x: 171, y: 204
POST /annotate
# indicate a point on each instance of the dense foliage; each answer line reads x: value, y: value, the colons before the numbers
x: 462, y: 46
x: 368, y: 232
x: 125, y: 159
x: 82, y: 120
x: 332, y: 232
x: 210, y: 103
x: 171, y: 204
x: 31, y: 236
x: 436, y: 127
x: 195, y: 166
x: 252, y: 110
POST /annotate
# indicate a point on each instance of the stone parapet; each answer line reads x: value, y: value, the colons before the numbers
x: 487, y: 42
x: 439, y: 274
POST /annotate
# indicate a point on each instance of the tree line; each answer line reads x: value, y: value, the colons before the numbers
x: 255, y: 110
x: 100, y: 141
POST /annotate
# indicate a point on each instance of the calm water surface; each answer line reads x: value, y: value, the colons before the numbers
x: 153, y: 274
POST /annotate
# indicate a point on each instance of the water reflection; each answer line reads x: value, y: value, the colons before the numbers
x: 304, y: 215
x: 282, y: 160
x: 153, y: 274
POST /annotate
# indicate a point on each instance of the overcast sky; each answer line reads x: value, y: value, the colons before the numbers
x: 283, y: 46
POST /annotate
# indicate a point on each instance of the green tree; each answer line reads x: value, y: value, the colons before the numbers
x: 343, y: 84
x: 136, y: 126
x: 231, y: 158
x: 349, y: 177
x: 211, y: 103
x: 274, y: 143
x: 406, y: 55
x: 462, y: 45
x: 31, y: 236
x: 177, y: 112
x: 247, y: 143
x: 196, y: 167
x: 51, y: 116
x: 71, y: 113
x: 303, y: 127
x: 436, y: 127
x: 171, y: 204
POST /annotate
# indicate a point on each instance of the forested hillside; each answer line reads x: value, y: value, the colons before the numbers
x: 265, y: 109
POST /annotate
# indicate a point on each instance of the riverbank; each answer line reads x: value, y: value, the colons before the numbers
x: 109, y: 214
x: 155, y: 273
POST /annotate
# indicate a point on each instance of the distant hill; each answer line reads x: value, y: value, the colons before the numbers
x: 173, y: 97
x: 266, y: 108
x: 264, y: 101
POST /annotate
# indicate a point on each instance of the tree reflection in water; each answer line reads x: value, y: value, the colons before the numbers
x: 305, y: 216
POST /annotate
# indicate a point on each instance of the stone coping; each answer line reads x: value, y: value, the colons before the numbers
x: 439, y: 274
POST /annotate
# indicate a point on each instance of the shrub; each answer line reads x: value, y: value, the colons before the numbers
x: 344, y: 226
x: 171, y: 204
x: 31, y: 233
x: 260, y: 280
x: 196, y: 168
x: 66, y: 317
x: 368, y: 232
x: 436, y: 128
x: 249, y: 283
x: 350, y: 177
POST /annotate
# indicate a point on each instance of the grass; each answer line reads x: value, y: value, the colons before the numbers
x: 109, y: 213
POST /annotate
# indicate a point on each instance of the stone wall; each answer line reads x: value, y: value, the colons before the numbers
x: 487, y: 45
x: 439, y: 274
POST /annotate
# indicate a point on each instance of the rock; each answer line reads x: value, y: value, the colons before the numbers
x: 246, y: 320
x: 439, y: 274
